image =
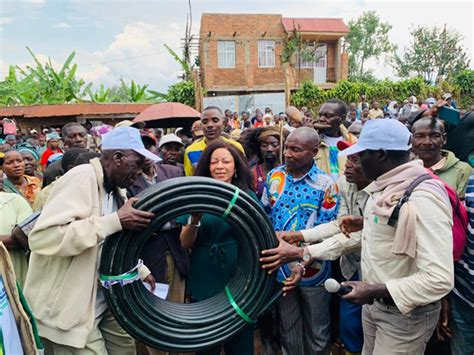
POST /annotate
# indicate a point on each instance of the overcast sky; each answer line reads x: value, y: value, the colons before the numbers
x: 124, y: 39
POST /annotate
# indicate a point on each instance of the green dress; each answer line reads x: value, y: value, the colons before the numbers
x: 212, y: 264
x: 213, y: 258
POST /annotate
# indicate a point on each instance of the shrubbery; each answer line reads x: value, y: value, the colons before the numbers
x: 310, y: 95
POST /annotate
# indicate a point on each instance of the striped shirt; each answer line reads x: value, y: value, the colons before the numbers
x: 464, y: 268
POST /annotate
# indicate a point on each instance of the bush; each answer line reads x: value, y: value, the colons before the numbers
x: 310, y: 95
x: 465, y: 82
x: 183, y: 92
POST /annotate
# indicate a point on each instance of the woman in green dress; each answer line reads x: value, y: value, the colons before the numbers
x: 212, y: 240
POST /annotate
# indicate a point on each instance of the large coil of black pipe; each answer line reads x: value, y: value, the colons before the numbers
x: 195, y: 326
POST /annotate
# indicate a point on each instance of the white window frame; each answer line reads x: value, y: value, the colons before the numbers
x: 225, y: 54
x: 266, y: 54
x: 311, y: 64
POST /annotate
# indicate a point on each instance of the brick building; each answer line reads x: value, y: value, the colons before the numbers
x: 240, y: 53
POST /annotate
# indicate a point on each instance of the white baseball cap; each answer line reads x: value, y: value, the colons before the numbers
x: 127, y: 138
x: 170, y: 138
x: 381, y: 133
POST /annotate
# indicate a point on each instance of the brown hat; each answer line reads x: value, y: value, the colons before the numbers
x: 294, y: 114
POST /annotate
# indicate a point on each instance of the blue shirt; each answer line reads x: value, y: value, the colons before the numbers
x: 296, y: 204
x: 464, y: 268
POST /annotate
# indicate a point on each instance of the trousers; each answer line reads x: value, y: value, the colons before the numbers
x: 387, y: 331
x: 106, y: 337
x: 305, y: 321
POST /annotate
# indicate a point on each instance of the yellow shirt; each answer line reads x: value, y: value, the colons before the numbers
x: 194, y: 151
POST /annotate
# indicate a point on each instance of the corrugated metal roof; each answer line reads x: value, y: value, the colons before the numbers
x: 39, y: 111
x: 315, y: 24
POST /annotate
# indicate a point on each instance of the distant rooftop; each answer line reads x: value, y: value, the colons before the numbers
x: 84, y: 109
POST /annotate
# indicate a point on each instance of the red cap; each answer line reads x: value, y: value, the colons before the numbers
x: 341, y: 145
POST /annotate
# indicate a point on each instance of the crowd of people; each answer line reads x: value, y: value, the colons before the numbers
x: 379, y: 198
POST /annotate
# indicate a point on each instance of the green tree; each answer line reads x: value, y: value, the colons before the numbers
x: 42, y: 84
x: 100, y: 95
x: 465, y: 81
x: 296, y: 50
x: 182, y: 91
x: 434, y: 53
x: 367, y: 38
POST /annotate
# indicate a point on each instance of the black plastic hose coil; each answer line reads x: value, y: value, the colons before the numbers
x: 189, y: 327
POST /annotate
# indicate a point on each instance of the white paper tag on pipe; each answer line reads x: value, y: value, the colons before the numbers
x: 161, y: 290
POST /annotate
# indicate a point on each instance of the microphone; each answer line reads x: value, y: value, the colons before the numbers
x: 332, y: 286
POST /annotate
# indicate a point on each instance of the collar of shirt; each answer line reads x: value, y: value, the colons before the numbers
x: 107, y: 185
x: 311, y: 174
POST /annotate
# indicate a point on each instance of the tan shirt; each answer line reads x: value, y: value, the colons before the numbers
x: 375, y: 113
x: 418, y: 281
x: 330, y: 242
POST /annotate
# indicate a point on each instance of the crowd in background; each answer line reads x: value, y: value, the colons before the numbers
x: 292, y: 163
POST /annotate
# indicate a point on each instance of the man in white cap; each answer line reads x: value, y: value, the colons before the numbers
x: 407, y: 260
x: 449, y: 99
x: 86, y: 206
x: 171, y: 149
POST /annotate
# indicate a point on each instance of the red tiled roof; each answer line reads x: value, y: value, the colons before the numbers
x: 39, y: 111
x: 315, y: 24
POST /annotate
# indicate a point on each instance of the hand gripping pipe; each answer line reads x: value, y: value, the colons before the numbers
x: 189, y: 327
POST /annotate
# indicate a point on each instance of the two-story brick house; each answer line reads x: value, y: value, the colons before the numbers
x: 240, y: 54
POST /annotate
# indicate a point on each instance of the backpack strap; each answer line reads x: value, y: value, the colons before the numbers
x: 396, y: 211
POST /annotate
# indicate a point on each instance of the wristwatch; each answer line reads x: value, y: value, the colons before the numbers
x: 306, y: 255
x: 190, y: 222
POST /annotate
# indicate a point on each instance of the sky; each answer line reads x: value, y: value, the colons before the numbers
x: 124, y: 39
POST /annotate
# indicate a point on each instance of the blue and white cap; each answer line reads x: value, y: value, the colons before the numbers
x: 381, y: 133
x: 127, y: 138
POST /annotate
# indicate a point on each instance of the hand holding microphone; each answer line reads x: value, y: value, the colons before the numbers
x: 358, y: 292
x: 332, y: 286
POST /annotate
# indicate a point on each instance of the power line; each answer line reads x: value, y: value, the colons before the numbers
x: 123, y: 59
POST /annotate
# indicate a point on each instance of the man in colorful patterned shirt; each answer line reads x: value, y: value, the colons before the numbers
x: 298, y: 196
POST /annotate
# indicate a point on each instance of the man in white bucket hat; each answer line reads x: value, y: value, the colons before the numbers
x: 86, y: 205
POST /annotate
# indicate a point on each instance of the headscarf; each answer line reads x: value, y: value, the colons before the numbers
x: 27, y: 147
x: 392, y: 110
x: 54, y: 158
x: 268, y: 132
x: 53, y: 135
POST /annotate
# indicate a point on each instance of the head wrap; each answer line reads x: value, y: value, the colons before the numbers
x: 53, y: 135
x: 268, y: 132
x: 27, y: 147
x: 54, y: 157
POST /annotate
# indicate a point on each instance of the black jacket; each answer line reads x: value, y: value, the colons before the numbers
x: 165, y: 240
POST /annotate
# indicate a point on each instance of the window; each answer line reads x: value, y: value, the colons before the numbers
x: 319, y: 59
x: 266, y: 54
x: 226, y: 54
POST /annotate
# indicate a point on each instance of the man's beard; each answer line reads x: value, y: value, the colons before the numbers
x: 270, y: 157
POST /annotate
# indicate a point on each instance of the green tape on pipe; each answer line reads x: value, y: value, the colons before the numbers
x: 231, y: 204
x: 238, y: 310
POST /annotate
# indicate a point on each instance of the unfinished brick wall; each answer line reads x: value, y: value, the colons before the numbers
x: 246, y: 30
